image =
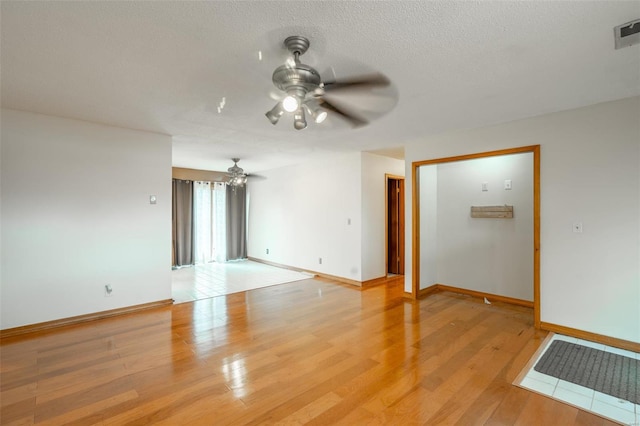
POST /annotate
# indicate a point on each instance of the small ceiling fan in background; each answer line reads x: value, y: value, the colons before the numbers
x: 236, y: 175
x: 304, y: 90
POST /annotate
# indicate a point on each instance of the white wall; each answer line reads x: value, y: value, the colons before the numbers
x: 489, y: 255
x: 302, y: 212
x: 76, y: 216
x: 590, y: 173
x: 374, y: 240
x: 428, y: 202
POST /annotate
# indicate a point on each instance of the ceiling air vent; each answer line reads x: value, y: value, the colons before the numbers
x: 627, y: 34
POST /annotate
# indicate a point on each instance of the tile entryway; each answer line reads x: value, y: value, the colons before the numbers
x: 218, y: 279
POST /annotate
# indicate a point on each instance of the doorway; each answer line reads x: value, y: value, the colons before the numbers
x: 395, y: 224
x: 422, y: 230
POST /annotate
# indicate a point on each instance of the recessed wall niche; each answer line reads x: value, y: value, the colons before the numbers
x: 494, y: 256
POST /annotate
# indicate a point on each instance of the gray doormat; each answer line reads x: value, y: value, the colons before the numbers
x: 605, y: 372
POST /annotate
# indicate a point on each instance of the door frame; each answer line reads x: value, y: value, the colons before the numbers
x: 387, y: 178
x: 415, y: 234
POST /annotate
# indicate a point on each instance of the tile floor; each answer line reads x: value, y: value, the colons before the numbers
x: 217, y: 279
x: 618, y: 410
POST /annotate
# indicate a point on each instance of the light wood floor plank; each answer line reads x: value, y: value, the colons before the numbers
x: 308, y: 352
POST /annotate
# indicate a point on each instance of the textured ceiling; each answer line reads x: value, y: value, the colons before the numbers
x: 165, y: 67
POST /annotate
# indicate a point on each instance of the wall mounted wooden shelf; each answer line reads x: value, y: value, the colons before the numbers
x: 492, y: 212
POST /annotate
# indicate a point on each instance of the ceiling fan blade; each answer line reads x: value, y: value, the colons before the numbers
x: 361, y: 82
x: 348, y: 116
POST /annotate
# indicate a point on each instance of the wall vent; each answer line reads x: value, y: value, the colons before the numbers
x: 627, y: 34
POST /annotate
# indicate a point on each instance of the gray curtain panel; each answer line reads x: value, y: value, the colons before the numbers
x: 182, y: 218
x: 236, y: 223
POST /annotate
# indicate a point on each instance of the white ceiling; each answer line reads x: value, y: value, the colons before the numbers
x: 165, y: 67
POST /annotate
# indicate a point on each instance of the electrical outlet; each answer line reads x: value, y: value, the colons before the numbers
x: 577, y: 227
x: 507, y: 184
x: 485, y: 186
x: 108, y: 290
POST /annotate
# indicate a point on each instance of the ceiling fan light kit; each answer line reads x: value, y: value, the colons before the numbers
x: 304, y: 89
x: 275, y: 113
x: 299, y: 120
x: 315, y: 111
x: 290, y: 103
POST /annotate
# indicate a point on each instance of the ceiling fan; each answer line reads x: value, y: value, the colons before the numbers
x: 237, y: 176
x: 305, y: 90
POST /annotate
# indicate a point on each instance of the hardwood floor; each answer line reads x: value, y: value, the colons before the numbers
x: 312, y: 351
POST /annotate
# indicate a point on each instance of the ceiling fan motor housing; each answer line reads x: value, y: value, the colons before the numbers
x: 299, y: 77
